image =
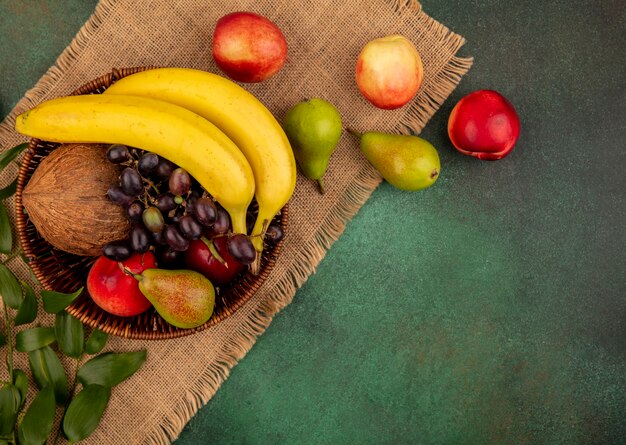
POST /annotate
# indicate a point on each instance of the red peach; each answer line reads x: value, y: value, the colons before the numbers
x: 248, y: 47
x: 115, y: 291
x: 389, y: 72
x: 484, y: 125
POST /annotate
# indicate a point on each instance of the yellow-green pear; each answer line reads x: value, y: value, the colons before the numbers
x: 313, y: 128
x: 183, y: 298
x: 406, y: 162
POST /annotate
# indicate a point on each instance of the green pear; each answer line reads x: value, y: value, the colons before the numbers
x: 313, y: 128
x: 406, y: 162
x: 183, y: 298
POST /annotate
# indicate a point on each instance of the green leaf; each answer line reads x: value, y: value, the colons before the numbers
x: 28, y: 309
x: 6, y: 233
x: 48, y: 370
x: 10, y: 289
x: 34, y: 338
x: 9, y: 405
x: 70, y: 334
x: 85, y: 412
x: 9, y: 190
x: 3, y: 340
x: 37, y: 423
x: 111, y: 368
x: 20, y: 380
x: 8, y: 156
x: 55, y: 302
x: 96, y: 341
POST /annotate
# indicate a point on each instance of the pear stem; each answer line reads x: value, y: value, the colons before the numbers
x: 209, y: 243
x: 128, y: 272
x: 354, y: 132
x: 320, y: 182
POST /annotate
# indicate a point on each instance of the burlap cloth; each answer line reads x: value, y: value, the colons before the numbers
x: 324, y: 40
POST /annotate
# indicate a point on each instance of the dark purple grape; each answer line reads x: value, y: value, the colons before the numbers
x: 192, y: 198
x: 189, y: 227
x: 134, y: 211
x: 118, y: 153
x: 168, y: 258
x: 147, y: 163
x: 175, y: 239
x: 165, y: 168
x: 180, y: 182
x: 159, y: 238
x: 131, y: 182
x: 274, y: 233
x: 205, y: 211
x: 153, y: 219
x: 139, y: 238
x: 222, y: 222
x: 117, y: 250
x: 165, y: 202
x: 117, y: 195
x: 241, y: 248
x: 178, y: 214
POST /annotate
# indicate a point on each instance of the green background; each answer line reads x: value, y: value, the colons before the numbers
x: 490, y: 308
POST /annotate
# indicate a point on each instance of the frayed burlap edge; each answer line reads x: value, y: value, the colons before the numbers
x: 314, y: 251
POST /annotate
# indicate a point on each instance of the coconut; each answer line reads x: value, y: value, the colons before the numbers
x: 66, y: 199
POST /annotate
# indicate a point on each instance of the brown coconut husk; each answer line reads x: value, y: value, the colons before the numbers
x: 66, y: 200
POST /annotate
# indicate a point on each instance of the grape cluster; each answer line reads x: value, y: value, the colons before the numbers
x: 168, y: 208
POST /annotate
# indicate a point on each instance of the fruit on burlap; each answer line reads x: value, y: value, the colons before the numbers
x: 389, y: 71
x: 66, y: 199
x: 248, y: 47
x: 407, y: 162
x: 115, y: 290
x: 313, y: 128
x: 183, y: 298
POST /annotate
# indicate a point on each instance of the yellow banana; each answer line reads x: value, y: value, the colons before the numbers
x: 237, y: 113
x: 168, y: 130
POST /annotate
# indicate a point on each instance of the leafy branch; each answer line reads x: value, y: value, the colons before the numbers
x: 82, y: 410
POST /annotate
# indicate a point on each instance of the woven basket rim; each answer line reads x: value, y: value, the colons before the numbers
x: 120, y: 326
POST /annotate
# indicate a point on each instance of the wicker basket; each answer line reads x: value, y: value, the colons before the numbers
x: 64, y: 272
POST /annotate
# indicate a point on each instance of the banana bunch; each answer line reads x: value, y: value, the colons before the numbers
x: 210, y: 126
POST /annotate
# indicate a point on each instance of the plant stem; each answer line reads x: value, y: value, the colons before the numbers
x: 67, y: 404
x: 9, y: 359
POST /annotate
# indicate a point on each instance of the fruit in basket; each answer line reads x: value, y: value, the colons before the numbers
x: 407, y: 162
x: 183, y: 298
x: 66, y: 200
x: 169, y: 130
x: 484, y: 124
x: 389, y: 71
x: 313, y: 128
x: 237, y: 113
x: 248, y: 47
x: 213, y: 260
x: 115, y: 291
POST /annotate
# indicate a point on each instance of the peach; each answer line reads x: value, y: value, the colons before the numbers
x: 389, y: 72
x: 248, y: 47
x: 485, y: 125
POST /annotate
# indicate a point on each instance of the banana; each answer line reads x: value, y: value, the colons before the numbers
x: 237, y: 113
x: 173, y: 132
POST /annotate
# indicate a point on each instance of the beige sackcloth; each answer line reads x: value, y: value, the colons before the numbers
x: 324, y: 39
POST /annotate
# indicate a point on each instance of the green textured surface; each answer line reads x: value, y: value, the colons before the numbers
x: 490, y: 308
